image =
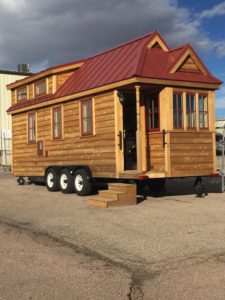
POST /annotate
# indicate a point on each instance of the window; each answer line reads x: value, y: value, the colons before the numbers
x: 57, y: 123
x: 152, y: 113
x: 190, y: 110
x: 40, y: 88
x: 22, y: 94
x: 86, y: 117
x: 203, y: 111
x: 31, y: 128
x: 177, y: 110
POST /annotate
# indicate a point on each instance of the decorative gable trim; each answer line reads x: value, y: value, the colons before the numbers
x: 189, y: 54
x: 157, y: 41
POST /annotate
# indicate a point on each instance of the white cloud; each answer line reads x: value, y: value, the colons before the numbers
x: 220, y: 98
x: 58, y: 31
x: 217, y: 10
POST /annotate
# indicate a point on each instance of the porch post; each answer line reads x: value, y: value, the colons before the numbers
x: 138, y: 131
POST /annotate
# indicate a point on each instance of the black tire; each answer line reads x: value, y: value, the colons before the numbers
x: 82, y: 184
x: 66, y: 184
x: 156, y: 184
x: 21, y: 181
x: 52, y: 180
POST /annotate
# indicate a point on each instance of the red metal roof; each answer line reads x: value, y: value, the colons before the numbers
x: 123, y: 62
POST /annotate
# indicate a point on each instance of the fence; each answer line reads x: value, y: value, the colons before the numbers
x: 5, y: 150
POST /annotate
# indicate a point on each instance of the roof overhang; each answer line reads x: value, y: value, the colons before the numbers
x: 50, y: 71
x: 133, y: 80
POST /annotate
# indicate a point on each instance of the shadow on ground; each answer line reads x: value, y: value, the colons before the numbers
x: 184, y: 186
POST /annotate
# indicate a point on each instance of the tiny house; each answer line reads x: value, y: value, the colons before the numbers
x: 139, y: 111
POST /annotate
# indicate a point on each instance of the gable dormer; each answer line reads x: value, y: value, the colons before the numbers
x: 189, y: 62
x: 157, y: 41
x: 44, y: 83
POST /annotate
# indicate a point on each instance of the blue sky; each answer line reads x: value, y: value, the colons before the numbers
x: 45, y: 33
x: 211, y: 16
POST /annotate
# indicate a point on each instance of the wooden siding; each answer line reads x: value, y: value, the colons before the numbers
x: 30, y: 91
x: 155, y: 152
x: 191, y: 153
x: 189, y: 64
x: 61, y: 78
x: 50, y: 85
x: 97, y: 151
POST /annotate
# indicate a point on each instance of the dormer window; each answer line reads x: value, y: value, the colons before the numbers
x: 22, y: 94
x: 40, y: 88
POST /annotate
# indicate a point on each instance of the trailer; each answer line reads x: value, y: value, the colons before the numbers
x: 140, y: 111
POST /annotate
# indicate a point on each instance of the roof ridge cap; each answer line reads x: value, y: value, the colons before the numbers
x: 180, y: 47
x: 121, y: 45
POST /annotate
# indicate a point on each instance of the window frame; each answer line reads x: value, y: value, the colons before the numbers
x: 82, y: 103
x: 38, y: 83
x: 32, y: 140
x: 19, y: 90
x: 151, y: 114
x: 177, y: 110
x: 57, y: 108
x: 207, y: 111
x: 191, y: 111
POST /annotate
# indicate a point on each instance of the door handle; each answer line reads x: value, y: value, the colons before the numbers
x: 120, y: 136
x: 164, y: 138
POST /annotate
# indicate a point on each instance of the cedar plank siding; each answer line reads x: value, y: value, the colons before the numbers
x: 155, y: 152
x: 61, y: 78
x: 30, y: 91
x: 97, y: 151
x: 50, y: 85
x: 191, y: 153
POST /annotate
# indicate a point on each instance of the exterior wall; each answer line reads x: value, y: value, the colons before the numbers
x: 187, y: 152
x: 155, y: 152
x: 191, y: 153
x: 97, y: 151
x: 5, y: 119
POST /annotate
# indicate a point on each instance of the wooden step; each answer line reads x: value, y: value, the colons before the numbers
x: 110, y: 194
x: 100, y: 201
x: 123, y: 187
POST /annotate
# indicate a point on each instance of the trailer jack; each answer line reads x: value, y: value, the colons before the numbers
x: 200, y: 187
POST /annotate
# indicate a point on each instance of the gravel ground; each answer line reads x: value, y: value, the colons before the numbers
x: 169, y: 237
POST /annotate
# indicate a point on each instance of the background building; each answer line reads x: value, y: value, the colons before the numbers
x: 7, y: 77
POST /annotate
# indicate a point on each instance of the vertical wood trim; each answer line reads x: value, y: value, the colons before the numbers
x: 143, y: 135
x: 211, y: 110
x: 167, y: 155
x: 139, y: 129
x: 119, y: 154
x: 197, y: 110
x: 47, y: 85
x: 54, y: 84
x: 169, y: 101
x: 184, y: 110
x: 93, y: 117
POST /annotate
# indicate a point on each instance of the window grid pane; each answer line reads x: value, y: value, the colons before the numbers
x: 86, y: 115
x: 203, y: 111
x: 177, y: 111
x: 31, y: 128
x: 190, y: 111
x: 57, y: 123
x: 152, y: 114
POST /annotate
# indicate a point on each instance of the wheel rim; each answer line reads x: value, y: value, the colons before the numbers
x: 63, y: 181
x: 50, y: 180
x: 79, y: 183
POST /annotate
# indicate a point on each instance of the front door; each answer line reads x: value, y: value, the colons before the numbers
x: 129, y: 132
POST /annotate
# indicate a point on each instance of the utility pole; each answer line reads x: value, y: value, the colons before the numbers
x: 223, y: 171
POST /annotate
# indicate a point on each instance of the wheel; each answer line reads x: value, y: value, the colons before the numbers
x: 52, y: 180
x: 66, y: 182
x: 156, y: 184
x: 21, y: 181
x: 82, y: 185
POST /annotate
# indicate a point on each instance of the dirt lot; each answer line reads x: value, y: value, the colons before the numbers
x: 169, y: 246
